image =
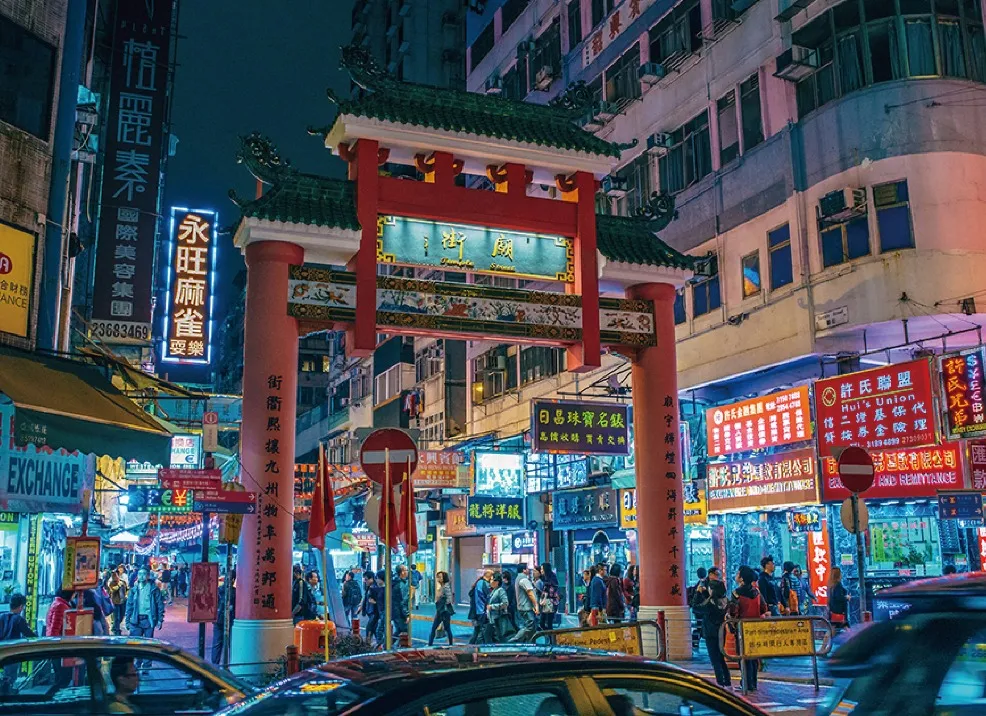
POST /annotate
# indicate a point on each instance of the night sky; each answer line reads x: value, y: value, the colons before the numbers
x: 246, y: 65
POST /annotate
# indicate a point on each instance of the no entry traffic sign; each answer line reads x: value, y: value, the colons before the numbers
x: 856, y: 469
x: 373, y: 455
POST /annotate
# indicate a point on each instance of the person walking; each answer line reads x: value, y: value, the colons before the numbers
x: 631, y: 591
x: 749, y: 604
x: 118, y: 597
x: 701, y: 574
x: 710, y: 601
x: 415, y: 582
x: 597, y: 595
x: 166, y: 584
x: 13, y: 625
x: 767, y: 586
x: 550, y: 597
x: 497, y: 608
x: 582, y: 597
x: 616, y: 605
x: 145, y: 608
x: 400, y: 606
x: 352, y: 596
x: 368, y: 605
x: 55, y: 619
x: 838, y: 600
x: 444, y: 608
x: 92, y: 600
x: 377, y: 596
x: 527, y: 606
x: 302, y: 603
x: 509, y: 586
x: 479, y: 598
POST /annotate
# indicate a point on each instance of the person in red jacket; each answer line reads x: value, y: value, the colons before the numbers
x: 55, y: 620
x: 748, y: 603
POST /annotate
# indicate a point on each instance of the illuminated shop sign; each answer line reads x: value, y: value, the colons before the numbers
x: 191, y: 276
x: 477, y: 249
x: 578, y: 427
x: 784, y: 479
x: 804, y: 521
x: 506, y: 512
x: 156, y: 499
x: 696, y: 505
x: 918, y: 472
x: 438, y: 470
x: 965, y: 404
x: 878, y: 409
x: 628, y: 509
x: 769, y: 421
x: 499, y: 474
x: 585, y: 507
x: 16, y: 279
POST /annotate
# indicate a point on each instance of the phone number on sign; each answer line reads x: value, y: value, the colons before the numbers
x: 122, y: 331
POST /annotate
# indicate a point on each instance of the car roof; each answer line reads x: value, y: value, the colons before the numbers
x: 967, y: 584
x: 65, y: 643
x: 386, y: 671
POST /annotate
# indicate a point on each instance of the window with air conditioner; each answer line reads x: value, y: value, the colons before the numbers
x: 622, y: 79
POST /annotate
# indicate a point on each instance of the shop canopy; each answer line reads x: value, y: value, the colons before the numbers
x: 66, y: 404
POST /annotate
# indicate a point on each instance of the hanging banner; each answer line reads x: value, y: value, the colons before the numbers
x: 965, y: 402
x: 820, y: 564
x: 768, y: 421
x: 203, y: 592
x: 134, y: 146
x: 191, y: 279
x: 977, y: 464
x: 883, y: 408
x: 584, y: 428
x: 919, y: 472
x: 16, y: 279
x: 788, y: 478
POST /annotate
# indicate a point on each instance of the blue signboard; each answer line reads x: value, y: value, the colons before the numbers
x: 589, y: 506
x: 476, y: 249
x: 505, y: 512
x: 225, y: 508
x: 961, y: 505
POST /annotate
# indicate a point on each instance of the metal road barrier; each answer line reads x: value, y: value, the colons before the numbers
x: 776, y: 638
x: 622, y: 637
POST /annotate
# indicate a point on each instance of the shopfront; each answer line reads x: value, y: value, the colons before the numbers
x: 590, y: 518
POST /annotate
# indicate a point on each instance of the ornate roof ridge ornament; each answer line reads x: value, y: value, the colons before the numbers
x: 658, y: 212
x: 363, y: 68
x: 260, y: 156
x: 576, y: 99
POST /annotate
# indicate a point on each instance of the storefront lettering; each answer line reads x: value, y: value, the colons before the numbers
x: 40, y: 477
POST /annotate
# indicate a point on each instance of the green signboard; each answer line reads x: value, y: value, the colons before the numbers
x: 474, y: 249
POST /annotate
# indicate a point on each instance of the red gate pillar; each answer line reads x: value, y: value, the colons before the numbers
x: 657, y: 446
x: 263, y: 625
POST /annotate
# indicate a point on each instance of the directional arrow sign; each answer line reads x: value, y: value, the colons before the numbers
x: 229, y: 503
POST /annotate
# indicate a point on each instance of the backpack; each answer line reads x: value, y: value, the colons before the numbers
x: 472, y: 616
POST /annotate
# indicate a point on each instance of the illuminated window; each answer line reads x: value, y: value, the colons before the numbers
x: 706, y: 295
x: 893, y: 216
x: 845, y: 242
x: 779, y: 256
x: 750, y: 265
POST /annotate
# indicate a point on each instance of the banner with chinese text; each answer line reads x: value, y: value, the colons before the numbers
x: 788, y: 478
x: 612, y: 27
x: 128, y: 216
x: 917, y: 472
x: 887, y: 407
x: 965, y: 403
x: 819, y: 564
x: 505, y: 512
x: 977, y: 464
x: 438, y: 470
x: 768, y: 421
x: 585, y: 507
x: 585, y: 428
x: 188, y: 323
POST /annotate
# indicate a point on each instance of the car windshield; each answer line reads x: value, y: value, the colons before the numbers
x: 932, y: 663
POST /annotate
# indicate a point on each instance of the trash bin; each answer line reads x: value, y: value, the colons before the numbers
x: 309, y: 636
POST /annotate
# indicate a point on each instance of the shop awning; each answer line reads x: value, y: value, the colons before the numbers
x: 66, y: 404
x: 624, y: 479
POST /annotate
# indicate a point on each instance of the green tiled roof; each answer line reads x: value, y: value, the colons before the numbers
x: 391, y: 100
x: 633, y: 241
x: 306, y: 199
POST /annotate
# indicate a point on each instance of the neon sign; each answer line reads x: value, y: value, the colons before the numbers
x: 191, y: 284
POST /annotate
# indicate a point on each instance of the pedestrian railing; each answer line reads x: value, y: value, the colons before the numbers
x: 622, y: 637
x: 776, y: 638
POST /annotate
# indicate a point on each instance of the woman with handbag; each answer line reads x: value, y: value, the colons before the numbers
x: 444, y: 601
x: 838, y: 600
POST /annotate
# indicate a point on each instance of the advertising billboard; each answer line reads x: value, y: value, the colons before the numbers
x: 191, y: 284
x: 788, y: 478
x: 16, y: 279
x: 582, y: 427
x: 780, y: 418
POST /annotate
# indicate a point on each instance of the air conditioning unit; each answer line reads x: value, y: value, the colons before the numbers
x: 498, y: 363
x: 614, y: 186
x: 796, y: 63
x: 659, y: 143
x: 790, y: 8
x: 544, y: 77
x: 494, y: 84
x: 651, y: 73
x: 391, y: 31
x: 404, y: 48
x: 842, y: 204
x: 405, y: 9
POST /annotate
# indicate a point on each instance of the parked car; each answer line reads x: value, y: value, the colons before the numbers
x: 929, y: 659
x: 494, y: 681
x: 71, y: 675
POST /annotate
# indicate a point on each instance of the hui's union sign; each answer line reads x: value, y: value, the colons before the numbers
x: 475, y: 249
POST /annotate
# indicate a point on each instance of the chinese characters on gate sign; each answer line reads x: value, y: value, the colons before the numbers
x: 268, y: 506
x: 965, y: 404
x: 188, y: 325
x: 671, y: 486
x: 580, y: 427
x: 888, y: 407
x: 777, y: 419
x: 129, y: 199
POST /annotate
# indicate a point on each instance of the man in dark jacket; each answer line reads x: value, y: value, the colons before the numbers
x: 765, y: 583
x: 710, y: 601
x: 616, y: 604
x: 479, y: 597
x: 597, y: 595
x: 13, y: 625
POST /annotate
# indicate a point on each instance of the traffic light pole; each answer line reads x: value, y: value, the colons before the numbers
x: 206, y: 518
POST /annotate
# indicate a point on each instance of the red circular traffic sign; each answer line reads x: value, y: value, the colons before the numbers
x: 373, y: 455
x: 856, y: 469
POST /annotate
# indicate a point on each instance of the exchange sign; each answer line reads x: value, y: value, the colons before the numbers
x: 918, y: 472
x: 585, y: 428
x: 887, y: 407
x: 188, y: 324
x: 505, y: 512
x: 478, y: 249
x: 768, y: 421
x: 965, y: 402
x: 788, y: 478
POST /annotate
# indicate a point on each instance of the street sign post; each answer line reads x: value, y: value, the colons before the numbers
x: 382, y: 451
x: 210, y: 431
x: 862, y: 516
x: 856, y: 473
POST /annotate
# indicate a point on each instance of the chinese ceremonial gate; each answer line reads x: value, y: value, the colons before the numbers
x: 313, y: 247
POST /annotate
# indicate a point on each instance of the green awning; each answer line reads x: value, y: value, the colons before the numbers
x: 67, y: 404
x: 624, y: 479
